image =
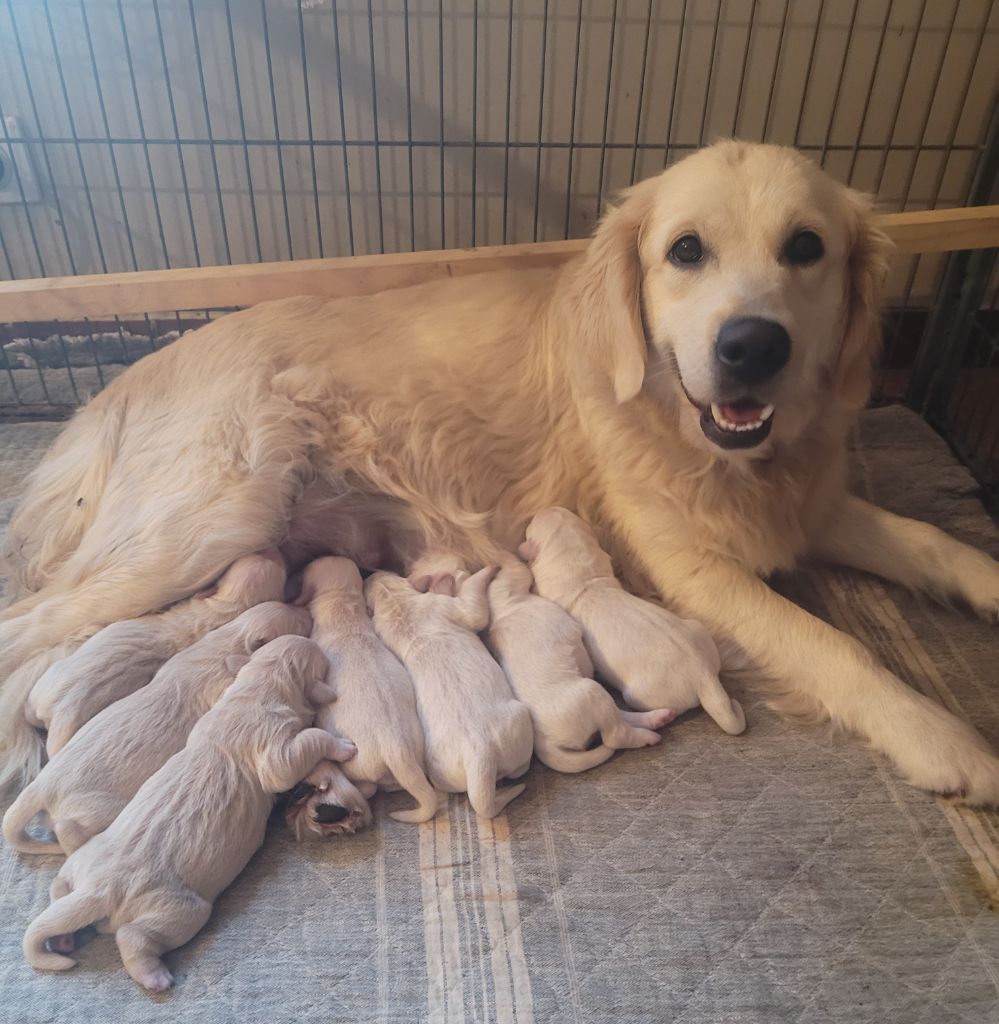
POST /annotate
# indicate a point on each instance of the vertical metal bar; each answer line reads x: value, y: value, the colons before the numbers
x: 541, y: 119
x: 71, y: 120
x: 641, y: 93
x: 870, y: 93
x: 6, y: 258
x: 778, y: 63
x: 839, y: 84
x: 208, y: 120
x: 308, y: 121
x: 41, y: 375
x: 607, y: 98
x: 572, y: 118
x: 24, y: 200
x: 506, y: 137
x: 242, y: 131
x: 97, y: 358
x: 475, y: 111
x: 374, y: 120
x: 676, y: 82
x: 343, y: 127
x: 142, y: 134
x: 69, y: 368
x: 41, y: 137
x: 742, y: 71
x: 107, y: 131
x: 886, y: 151
x: 277, y: 129
x: 440, y: 54
x: 409, y: 130
x: 711, y: 70
x: 808, y: 71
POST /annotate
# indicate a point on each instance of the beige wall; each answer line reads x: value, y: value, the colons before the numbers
x: 933, y: 140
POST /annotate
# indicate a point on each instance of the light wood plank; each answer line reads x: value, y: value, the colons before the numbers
x: 149, y: 291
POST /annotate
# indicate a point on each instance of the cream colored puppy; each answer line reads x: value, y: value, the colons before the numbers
x: 375, y: 703
x: 476, y: 732
x: 153, y: 876
x: 124, y: 656
x: 653, y: 657
x: 541, y: 650
x: 328, y: 803
x: 86, y: 785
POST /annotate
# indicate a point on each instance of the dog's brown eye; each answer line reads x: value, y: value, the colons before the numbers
x: 802, y: 248
x: 686, y: 250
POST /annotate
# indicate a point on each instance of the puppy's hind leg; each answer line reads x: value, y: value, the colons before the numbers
x: 627, y: 730
x: 173, y: 920
x: 483, y: 795
x: 726, y: 712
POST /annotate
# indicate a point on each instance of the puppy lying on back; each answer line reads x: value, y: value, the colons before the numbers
x: 541, y: 649
x: 124, y: 656
x: 85, y: 786
x: 375, y: 702
x: 655, y: 658
x: 328, y: 803
x: 475, y: 731
x: 153, y: 876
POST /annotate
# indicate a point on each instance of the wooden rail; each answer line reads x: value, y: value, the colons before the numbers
x: 148, y: 291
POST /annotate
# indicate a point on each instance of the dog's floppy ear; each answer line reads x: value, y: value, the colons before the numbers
x: 870, y: 253
x: 610, y: 291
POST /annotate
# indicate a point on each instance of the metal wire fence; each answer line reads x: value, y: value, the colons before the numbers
x: 139, y: 134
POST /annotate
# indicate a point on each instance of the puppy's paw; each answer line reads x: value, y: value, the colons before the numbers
x: 343, y: 750
x: 155, y: 979
x: 61, y: 943
x: 978, y: 577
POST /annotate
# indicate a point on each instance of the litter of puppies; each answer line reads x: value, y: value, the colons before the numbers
x: 176, y: 732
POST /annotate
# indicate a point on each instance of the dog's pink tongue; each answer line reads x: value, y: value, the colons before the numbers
x: 743, y: 411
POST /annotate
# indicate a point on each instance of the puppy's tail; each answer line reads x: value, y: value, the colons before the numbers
x: 570, y: 761
x: 19, y: 816
x: 69, y: 914
x: 414, y: 781
x: 485, y: 799
x: 723, y: 709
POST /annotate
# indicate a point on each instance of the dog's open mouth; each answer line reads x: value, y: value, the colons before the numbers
x: 744, y: 423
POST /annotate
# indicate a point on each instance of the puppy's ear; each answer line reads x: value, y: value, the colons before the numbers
x: 443, y: 584
x: 870, y: 254
x: 609, y: 292
x: 421, y: 583
x: 529, y: 550
x: 319, y: 693
x: 234, y: 662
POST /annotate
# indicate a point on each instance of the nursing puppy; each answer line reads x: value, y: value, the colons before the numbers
x: 476, y: 732
x: 653, y: 657
x: 153, y: 876
x: 124, y: 656
x: 86, y: 785
x: 375, y: 703
x: 328, y: 803
x: 541, y: 650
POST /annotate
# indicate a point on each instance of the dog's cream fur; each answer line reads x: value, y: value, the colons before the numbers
x: 655, y: 658
x: 375, y: 703
x: 476, y: 732
x: 153, y: 876
x: 540, y: 648
x: 84, y: 787
x: 327, y: 803
x: 509, y: 393
x: 124, y: 656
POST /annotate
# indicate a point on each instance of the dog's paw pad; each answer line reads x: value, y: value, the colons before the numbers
x: 158, y: 979
x: 61, y: 943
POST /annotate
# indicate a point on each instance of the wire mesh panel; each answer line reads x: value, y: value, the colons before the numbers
x: 143, y: 134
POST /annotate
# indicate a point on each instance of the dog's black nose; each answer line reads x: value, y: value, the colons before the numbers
x: 751, y: 350
x: 330, y: 814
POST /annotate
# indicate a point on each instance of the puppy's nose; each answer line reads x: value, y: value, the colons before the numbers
x: 751, y: 350
x: 330, y: 814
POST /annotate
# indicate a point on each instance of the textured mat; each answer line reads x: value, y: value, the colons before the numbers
x: 780, y: 876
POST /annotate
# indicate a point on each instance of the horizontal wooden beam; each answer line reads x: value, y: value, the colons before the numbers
x: 151, y: 291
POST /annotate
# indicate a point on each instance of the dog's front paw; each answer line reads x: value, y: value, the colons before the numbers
x: 343, y: 750
x: 979, y: 584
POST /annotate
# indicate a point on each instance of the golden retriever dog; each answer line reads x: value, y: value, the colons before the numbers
x: 153, y: 876
x: 686, y: 386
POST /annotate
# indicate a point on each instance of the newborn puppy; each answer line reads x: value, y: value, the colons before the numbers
x: 153, y: 876
x: 375, y: 703
x: 124, y: 656
x: 328, y: 803
x: 85, y: 786
x: 655, y: 658
x: 475, y: 731
x: 541, y: 649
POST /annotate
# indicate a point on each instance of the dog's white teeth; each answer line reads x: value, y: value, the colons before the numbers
x: 727, y: 424
x: 768, y: 411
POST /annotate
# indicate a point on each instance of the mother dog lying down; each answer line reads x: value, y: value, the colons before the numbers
x: 686, y: 386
